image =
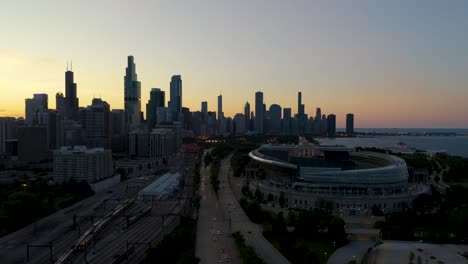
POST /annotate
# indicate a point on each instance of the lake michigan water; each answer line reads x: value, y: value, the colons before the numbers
x: 453, y: 145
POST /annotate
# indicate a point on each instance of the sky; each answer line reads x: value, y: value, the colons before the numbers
x: 391, y: 63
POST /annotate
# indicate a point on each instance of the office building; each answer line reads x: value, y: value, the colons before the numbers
x: 132, y: 98
x: 71, y: 97
x: 96, y: 121
x: 287, y: 121
x: 53, y: 120
x: 331, y: 125
x: 60, y: 103
x: 157, y: 99
x: 240, y: 124
x: 301, y: 116
x: 7, y: 132
x: 221, y: 120
x: 118, y: 121
x: 247, y: 116
x: 349, y: 125
x: 82, y: 164
x: 119, y: 141
x: 34, y: 106
x: 204, y: 107
x: 138, y: 143
x: 33, y: 143
x: 275, y: 119
x: 259, y: 112
x: 175, y: 103
x: 162, y: 143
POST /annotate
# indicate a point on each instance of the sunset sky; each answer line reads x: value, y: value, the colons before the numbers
x: 391, y: 63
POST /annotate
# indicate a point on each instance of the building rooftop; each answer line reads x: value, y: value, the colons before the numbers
x: 161, y: 185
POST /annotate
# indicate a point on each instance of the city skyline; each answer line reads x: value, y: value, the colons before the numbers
x: 375, y: 60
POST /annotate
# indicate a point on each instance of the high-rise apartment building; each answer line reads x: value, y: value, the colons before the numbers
x: 82, y: 164
x: 132, y: 90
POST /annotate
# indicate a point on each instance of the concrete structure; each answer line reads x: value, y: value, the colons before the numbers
x: 157, y: 99
x: 349, y: 125
x: 132, y: 96
x: 259, y: 112
x: 82, y: 164
x: 96, y: 121
x: 34, y: 106
x: 333, y: 178
x: 162, y: 188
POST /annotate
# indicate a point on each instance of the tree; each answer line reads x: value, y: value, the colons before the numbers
x: 270, y: 197
x: 281, y: 199
x: 279, y: 224
x: 376, y: 211
x: 258, y: 195
x: 336, y: 229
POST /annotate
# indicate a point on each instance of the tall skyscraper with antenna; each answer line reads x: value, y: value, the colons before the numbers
x: 132, y: 96
x: 71, y: 98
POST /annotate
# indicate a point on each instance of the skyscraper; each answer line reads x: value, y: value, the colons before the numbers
x: 71, y: 98
x: 132, y: 96
x: 287, y: 121
x: 157, y: 99
x: 175, y: 103
x: 221, y: 120
x: 96, y: 121
x: 259, y: 112
x: 331, y: 125
x: 220, y: 106
x: 34, y: 106
x: 247, y: 116
x: 318, y: 113
x: 204, y: 107
x: 301, y: 116
x: 275, y: 119
x: 349, y: 125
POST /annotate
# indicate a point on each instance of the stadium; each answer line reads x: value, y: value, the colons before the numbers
x: 333, y: 178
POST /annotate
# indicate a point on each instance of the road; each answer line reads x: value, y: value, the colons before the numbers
x: 212, y: 247
x: 57, y: 230
x: 240, y: 222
